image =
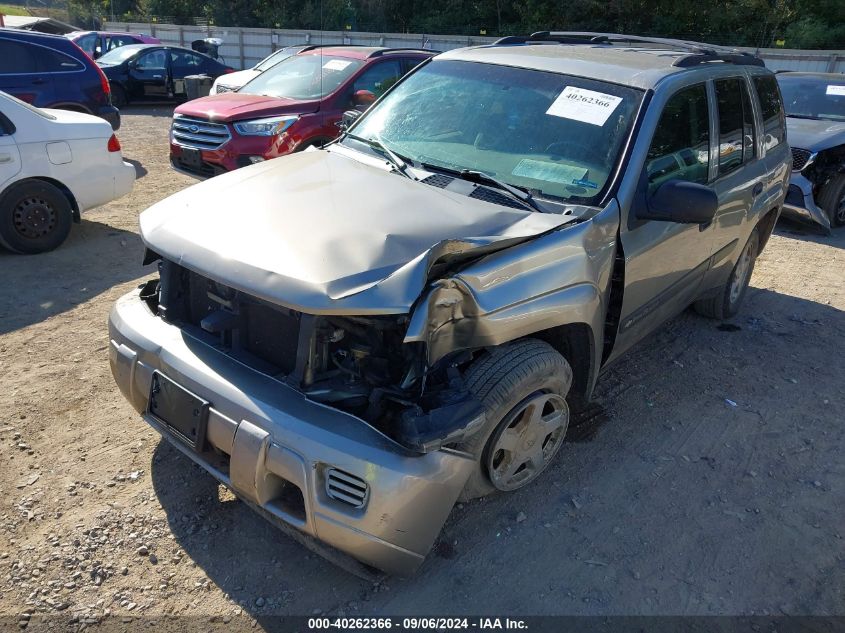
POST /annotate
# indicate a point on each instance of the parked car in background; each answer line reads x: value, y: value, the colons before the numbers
x: 293, y: 105
x: 815, y: 121
x: 54, y: 165
x: 145, y: 72
x: 354, y: 337
x: 98, y: 43
x: 50, y: 71
x: 233, y: 81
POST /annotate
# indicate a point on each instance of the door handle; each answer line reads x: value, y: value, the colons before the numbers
x: 157, y: 76
x: 5, y: 158
x: 758, y: 189
x: 38, y: 81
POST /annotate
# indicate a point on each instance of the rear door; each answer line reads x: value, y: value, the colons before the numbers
x: 20, y: 75
x: 741, y: 175
x: 149, y: 73
x: 665, y: 262
x: 773, y: 138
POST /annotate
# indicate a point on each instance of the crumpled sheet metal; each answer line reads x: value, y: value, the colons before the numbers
x: 323, y: 233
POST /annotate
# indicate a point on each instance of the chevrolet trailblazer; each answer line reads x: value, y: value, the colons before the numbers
x: 353, y: 338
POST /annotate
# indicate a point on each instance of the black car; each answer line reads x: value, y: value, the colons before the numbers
x: 50, y: 71
x: 141, y: 72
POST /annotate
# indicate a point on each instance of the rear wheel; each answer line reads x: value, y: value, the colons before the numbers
x: 118, y: 97
x: 34, y: 217
x: 523, y: 386
x: 727, y: 302
x: 832, y: 200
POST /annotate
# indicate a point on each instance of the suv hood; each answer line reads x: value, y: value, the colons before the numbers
x: 814, y: 135
x: 322, y: 232
x: 236, y: 106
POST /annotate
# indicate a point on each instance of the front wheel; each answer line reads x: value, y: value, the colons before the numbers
x: 729, y: 298
x: 832, y: 200
x: 523, y: 386
x: 34, y: 217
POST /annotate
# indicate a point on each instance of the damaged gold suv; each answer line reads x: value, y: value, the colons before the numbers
x: 352, y: 338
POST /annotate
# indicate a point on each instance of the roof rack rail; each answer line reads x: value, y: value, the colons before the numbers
x: 698, y: 52
x: 386, y: 51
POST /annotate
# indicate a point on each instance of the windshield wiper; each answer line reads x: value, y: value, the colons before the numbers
x: 393, y: 158
x: 518, y: 193
x: 804, y: 116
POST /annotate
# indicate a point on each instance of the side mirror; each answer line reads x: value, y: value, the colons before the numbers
x: 363, y: 98
x: 680, y: 201
x: 349, y: 117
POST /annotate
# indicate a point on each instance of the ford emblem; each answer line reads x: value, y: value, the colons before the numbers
x: 194, y: 129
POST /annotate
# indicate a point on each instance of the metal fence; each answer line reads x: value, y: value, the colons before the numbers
x: 244, y: 47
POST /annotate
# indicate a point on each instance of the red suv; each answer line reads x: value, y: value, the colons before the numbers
x: 296, y: 104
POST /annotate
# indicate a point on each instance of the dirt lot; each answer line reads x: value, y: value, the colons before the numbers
x: 708, y: 479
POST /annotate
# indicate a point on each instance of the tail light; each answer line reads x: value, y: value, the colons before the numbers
x: 114, y: 144
x: 227, y: 70
x: 104, y: 81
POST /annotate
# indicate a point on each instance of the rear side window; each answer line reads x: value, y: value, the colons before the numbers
x: 17, y: 58
x: 771, y: 105
x: 680, y: 148
x: 736, y: 124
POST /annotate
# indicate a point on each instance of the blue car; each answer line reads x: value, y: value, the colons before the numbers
x: 50, y: 71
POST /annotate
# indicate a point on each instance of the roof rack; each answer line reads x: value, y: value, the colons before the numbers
x: 697, y: 52
x: 386, y: 51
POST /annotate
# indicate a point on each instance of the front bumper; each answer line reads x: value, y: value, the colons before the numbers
x: 266, y: 441
x: 238, y: 151
x: 800, y: 205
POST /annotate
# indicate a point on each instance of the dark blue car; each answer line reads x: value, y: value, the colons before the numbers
x: 50, y: 71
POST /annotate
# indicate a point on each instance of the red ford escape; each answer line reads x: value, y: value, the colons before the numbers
x: 296, y: 104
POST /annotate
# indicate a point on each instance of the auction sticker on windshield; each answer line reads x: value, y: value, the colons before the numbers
x: 336, y: 64
x: 587, y: 106
x: 839, y: 91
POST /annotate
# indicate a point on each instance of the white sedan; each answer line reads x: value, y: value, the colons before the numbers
x: 54, y: 164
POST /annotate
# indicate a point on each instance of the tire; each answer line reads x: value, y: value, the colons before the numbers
x: 727, y: 302
x: 35, y: 217
x: 512, y: 381
x: 118, y: 97
x: 832, y: 200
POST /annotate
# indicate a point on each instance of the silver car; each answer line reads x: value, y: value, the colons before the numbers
x: 815, y: 122
x: 353, y: 338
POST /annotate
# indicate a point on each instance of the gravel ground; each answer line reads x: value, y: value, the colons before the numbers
x: 707, y: 479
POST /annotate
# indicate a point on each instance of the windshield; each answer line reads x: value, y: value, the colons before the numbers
x: 552, y: 133
x: 303, y: 77
x: 813, y: 97
x: 274, y: 58
x: 118, y: 55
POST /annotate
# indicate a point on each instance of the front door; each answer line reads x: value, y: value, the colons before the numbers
x: 149, y: 74
x: 665, y: 262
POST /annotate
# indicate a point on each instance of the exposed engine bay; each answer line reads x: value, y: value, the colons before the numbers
x: 357, y: 364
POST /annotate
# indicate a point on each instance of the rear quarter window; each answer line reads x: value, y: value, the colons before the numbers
x: 52, y: 61
x: 771, y: 106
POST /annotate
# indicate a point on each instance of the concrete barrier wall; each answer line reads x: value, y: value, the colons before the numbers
x: 243, y: 48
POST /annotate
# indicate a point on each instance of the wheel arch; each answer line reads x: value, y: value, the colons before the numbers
x: 576, y: 343
x: 765, y: 227
x: 77, y: 217
x: 72, y: 107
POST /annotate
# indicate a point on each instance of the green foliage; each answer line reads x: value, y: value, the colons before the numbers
x: 800, y: 23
